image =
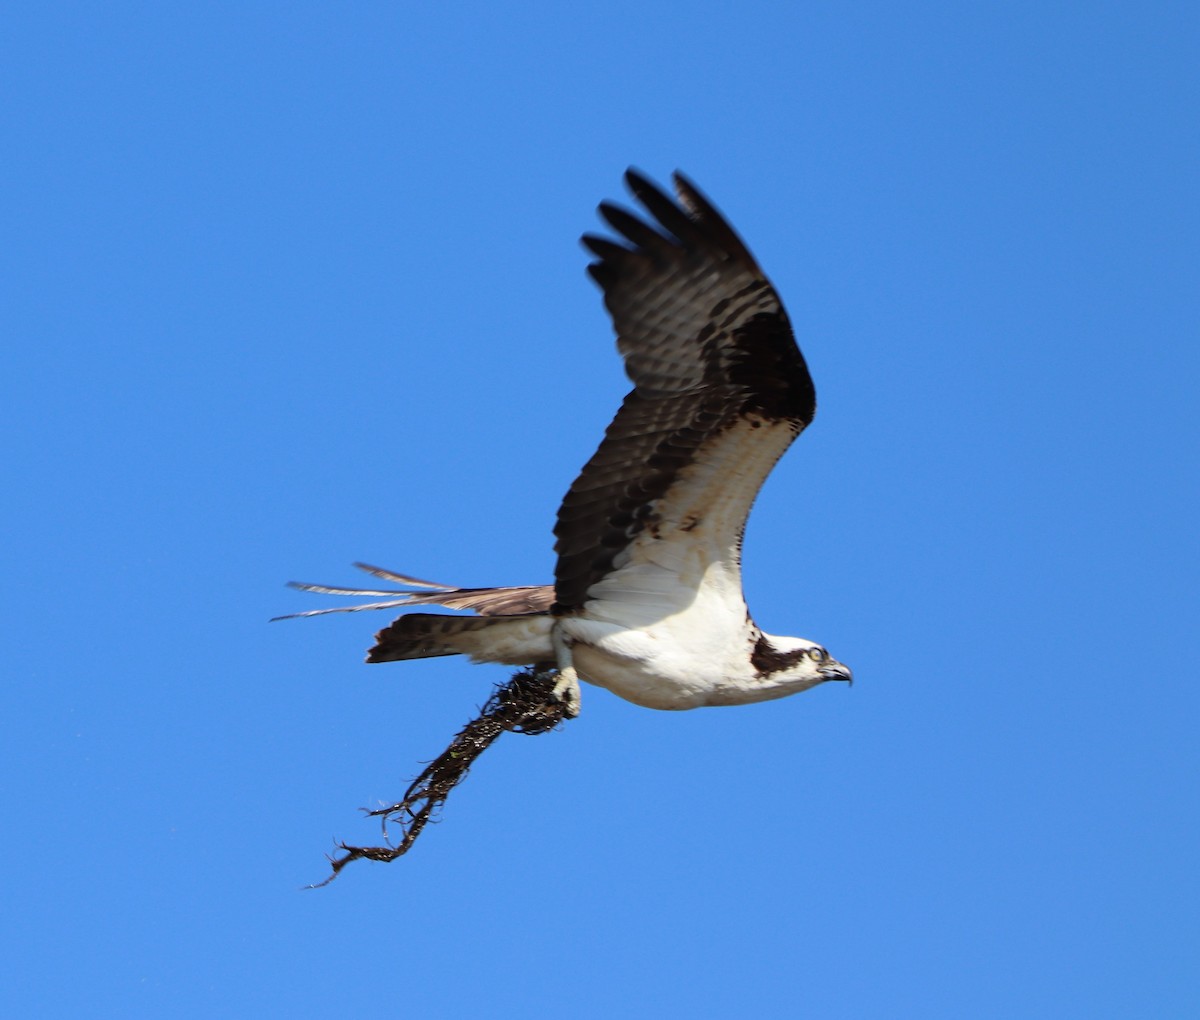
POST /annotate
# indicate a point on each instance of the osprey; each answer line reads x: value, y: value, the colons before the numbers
x: 647, y: 596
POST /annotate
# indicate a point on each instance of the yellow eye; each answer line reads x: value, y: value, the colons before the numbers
x: 818, y: 654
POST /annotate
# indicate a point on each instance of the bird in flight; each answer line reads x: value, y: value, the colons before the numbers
x: 647, y: 596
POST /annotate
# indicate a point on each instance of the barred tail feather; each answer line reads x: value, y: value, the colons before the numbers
x: 520, y: 640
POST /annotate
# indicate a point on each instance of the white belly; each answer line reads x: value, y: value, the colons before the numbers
x: 654, y: 668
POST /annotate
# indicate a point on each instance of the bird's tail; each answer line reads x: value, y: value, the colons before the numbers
x: 512, y: 626
x: 522, y: 640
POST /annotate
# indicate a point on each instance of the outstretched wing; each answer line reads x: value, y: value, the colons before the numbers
x: 720, y: 391
x: 510, y: 601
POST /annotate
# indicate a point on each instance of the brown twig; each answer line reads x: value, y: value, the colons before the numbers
x: 523, y: 705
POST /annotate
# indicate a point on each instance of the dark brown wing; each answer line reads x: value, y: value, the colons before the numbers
x: 707, y: 345
x: 510, y: 601
x: 492, y: 601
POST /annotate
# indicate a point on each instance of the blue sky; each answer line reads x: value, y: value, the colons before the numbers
x: 287, y: 286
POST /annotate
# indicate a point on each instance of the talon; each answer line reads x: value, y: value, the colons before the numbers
x: 566, y: 691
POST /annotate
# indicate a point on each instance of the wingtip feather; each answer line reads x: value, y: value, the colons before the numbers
x: 702, y: 211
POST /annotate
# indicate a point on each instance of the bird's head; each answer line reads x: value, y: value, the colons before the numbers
x: 795, y: 664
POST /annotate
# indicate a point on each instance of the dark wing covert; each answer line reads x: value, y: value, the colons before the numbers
x: 706, y: 343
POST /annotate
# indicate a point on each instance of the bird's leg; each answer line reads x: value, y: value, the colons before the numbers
x: 566, y: 689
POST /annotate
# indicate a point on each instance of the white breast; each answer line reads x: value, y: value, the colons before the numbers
x: 664, y: 649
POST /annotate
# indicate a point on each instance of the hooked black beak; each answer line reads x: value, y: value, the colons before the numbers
x: 836, y: 671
